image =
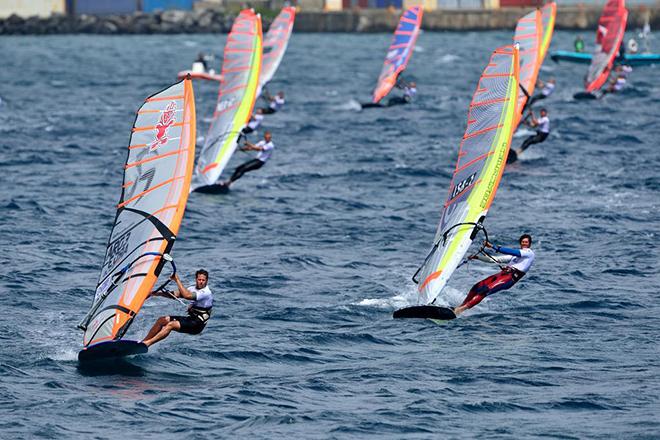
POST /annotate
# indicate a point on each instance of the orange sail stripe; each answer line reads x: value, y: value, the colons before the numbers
x: 209, y: 167
x: 482, y: 131
x: 430, y: 278
x: 149, y: 159
x: 137, y: 196
x: 495, y: 75
x: 489, y: 101
x: 165, y: 98
x: 153, y: 127
x: 473, y: 161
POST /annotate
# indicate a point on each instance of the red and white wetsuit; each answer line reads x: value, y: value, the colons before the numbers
x: 519, y: 261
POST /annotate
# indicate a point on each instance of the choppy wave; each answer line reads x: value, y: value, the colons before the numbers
x: 310, y: 255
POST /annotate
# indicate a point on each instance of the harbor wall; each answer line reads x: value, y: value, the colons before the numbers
x: 357, y: 20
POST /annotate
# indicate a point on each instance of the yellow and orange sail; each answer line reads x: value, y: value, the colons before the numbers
x: 238, y: 91
x: 481, y: 161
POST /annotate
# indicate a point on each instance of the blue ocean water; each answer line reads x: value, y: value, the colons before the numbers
x: 310, y: 255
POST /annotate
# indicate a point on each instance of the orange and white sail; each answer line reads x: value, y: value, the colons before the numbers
x: 529, y: 36
x: 548, y: 14
x: 276, y: 41
x: 155, y: 190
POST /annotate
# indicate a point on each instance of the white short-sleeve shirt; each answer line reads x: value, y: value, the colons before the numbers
x: 264, y: 154
x: 524, y: 262
x: 203, y: 297
x: 256, y: 120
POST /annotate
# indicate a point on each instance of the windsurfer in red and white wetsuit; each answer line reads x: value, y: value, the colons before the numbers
x: 518, y: 263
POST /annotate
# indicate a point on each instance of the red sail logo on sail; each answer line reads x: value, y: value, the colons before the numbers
x: 165, y: 121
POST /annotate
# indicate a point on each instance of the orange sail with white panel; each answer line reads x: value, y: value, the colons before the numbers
x: 155, y: 189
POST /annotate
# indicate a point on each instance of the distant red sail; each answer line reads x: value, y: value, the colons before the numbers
x: 611, y: 28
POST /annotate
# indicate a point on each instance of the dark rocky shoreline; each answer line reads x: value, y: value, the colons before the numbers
x: 366, y: 20
x: 168, y: 22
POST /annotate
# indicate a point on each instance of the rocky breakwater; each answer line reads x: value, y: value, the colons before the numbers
x: 355, y: 20
x: 166, y: 22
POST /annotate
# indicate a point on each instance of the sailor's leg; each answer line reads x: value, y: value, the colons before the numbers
x: 494, y: 283
x: 534, y: 139
x: 251, y: 165
x: 163, y: 333
x: 160, y: 323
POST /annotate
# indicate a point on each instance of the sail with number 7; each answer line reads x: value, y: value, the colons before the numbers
x: 154, y: 193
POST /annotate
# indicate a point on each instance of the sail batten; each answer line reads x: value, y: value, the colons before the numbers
x: 481, y: 160
x: 241, y: 66
x: 154, y: 194
x: 399, y: 52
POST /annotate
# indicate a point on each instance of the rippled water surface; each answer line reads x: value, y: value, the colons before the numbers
x: 311, y: 254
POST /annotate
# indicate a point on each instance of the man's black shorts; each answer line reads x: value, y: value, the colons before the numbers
x: 189, y: 324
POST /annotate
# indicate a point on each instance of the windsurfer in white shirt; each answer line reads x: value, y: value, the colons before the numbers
x: 618, y: 79
x: 547, y: 88
x: 199, y: 311
x: 409, y: 92
x: 264, y: 147
x: 255, y: 121
x: 542, y: 125
x: 518, y: 263
x: 275, y: 103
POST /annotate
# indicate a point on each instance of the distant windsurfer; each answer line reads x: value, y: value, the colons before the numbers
x: 202, y: 62
x: 409, y: 92
x: 264, y: 147
x: 542, y: 125
x: 199, y: 312
x: 547, y: 88
x: 518, y: 263
x: 617, y: 81
x: 255, y: 121
x: 275, y: 103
